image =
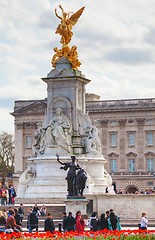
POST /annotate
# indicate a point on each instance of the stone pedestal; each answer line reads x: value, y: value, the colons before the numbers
x: 74, y: 205
x: 47, y: 179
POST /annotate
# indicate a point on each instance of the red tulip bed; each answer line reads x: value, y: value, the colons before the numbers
x: 99, y: 235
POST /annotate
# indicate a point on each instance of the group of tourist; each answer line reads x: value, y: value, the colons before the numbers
x: 73, y: 224
x: 7, y: 197
x: 12, y: 220
x: 147, y: 191
x: 107, y: 221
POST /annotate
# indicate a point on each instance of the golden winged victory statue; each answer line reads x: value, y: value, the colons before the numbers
x: 64, y: 29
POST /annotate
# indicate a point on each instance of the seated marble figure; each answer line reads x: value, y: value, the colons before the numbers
x: 56, y: 134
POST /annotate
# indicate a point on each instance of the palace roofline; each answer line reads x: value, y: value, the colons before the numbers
x: 121, y: 105
x: 97, y: 106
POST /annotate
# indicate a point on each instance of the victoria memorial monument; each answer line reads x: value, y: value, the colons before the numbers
x: 67, y: 129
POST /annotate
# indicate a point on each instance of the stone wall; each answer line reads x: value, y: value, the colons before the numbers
x: 124, y: 205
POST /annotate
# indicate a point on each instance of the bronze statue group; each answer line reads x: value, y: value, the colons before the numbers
x: 76, y: 177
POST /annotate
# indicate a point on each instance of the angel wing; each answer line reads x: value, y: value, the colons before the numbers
x: 74, y: 18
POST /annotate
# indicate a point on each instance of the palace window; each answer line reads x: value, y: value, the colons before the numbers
x: 150, y: 164
x: 131, y: 139
x: 131, y: 121
x: 112, y: 122
x: 113, y: 165
x: 40, y: 109
x: 131, y: 165
x: 113, y: 139
x: 150, y: 120
x: 150, y: 138
x: 28, y: 141
x: 150, y: 183
x: 28, y: 124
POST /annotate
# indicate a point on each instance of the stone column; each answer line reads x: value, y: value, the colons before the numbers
x: 140, y: 144
x: 19, y: 148
x: 122, y: 123
x: 104, y: 138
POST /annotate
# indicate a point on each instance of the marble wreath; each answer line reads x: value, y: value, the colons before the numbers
x: 76, y: 181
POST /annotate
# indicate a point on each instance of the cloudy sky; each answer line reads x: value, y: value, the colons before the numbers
x: 115, y: 39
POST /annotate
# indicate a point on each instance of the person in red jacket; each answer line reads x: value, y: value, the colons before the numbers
x: 3, y: 193
x: 80, y: 224
x: 12, y: 222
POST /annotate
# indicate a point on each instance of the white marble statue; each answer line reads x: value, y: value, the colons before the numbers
x: 90, y: 146
x: 57, y: 133
x: 26, y: 176
x: 109, y: 182
x: 95, y: 135
x: 37, y: 146
x: 84, y: 123
x: 89, y: 132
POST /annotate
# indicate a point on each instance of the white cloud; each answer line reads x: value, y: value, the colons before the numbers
x: 6, y: 120
x: 28, y: 87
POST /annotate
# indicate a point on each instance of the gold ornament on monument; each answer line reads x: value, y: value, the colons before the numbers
x: 64, y: 29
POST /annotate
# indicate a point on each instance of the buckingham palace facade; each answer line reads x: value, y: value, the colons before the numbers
x: 127, y: 133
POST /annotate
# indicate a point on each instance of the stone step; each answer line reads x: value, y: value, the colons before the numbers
x: 55, y: 209
x: 40, y: 201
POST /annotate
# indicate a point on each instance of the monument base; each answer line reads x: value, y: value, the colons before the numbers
x: 74, y: 205
x: 44, y: 178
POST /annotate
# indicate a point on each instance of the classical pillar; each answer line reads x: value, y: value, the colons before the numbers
x: 140, y: 143
x: 122, y: 123
x: 104, y: 138
x: 19, y: 167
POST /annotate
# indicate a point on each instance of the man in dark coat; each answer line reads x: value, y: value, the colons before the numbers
x: 36, y: 209
x: 17, y: 216
x: 21, y: 212
x: 64, y: 221
x: 49, y: 224
x: 33, y: 221
x: 70, y: 223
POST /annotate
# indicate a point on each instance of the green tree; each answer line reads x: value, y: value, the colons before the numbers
x: 6, y: 154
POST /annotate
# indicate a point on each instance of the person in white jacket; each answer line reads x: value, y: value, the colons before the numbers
x: 144, y: 221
